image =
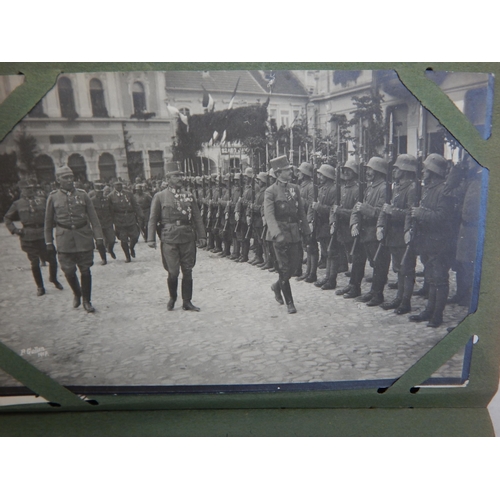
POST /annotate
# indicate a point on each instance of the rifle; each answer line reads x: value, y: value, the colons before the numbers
x: 249, y: 230
x: 315, y: 199
x: 264, y: 229
x: 227, y: 212
x: 413, y: 222
x: 209, y: 203
x: 361, y: 193
x: 333, y: 228
x: 218, y: 214
x: 388, y: 198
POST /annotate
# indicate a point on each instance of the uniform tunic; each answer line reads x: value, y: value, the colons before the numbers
x: 126, y: 214
x: 76, y: 222
x: 103, y: 212
x: 181, y: 225
x: 31, y: 212
x: 75, y: 219
x: 326, y: 198
x: 433, y: 239
x: 286, y: 223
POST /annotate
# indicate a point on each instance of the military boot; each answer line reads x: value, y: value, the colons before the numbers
x: 276, y: 288
x: 287, y: 293
x: 172, y: 291
x: 75, y: 287
x: 111, y: 252
x: 87, y: 291
x: 428, y: 312
x: 308, y: 269
x: 312, y: 276
x: 439, y: 305
x: 126, y: 251
x: 394, y: 304
x: 37, y: 275
x: 187, y: 295
x: 405, y: 306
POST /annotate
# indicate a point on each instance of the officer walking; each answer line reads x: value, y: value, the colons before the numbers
x: 126, y: 214
x: 71, y: 212
x: 30, y: 210
x: 286, y: 219
x: 181, y: 223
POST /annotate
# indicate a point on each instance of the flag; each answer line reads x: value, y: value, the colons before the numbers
x: 216, y: 134
x: 231, y: 101
x: 207, y: 101
x: 223, y: 138
x: 173, y: 111
x: 271, y: 77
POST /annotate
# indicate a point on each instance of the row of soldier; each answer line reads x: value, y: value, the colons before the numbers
x: 394, y: 213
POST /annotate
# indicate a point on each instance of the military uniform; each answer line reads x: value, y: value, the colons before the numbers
x: 307, y: 195
x: 76, y: 224
x: 103, y: 211
x: 374, y: 199
x: 181, y: 224
x: 433, y: 238
x: 393, y: 227
x: 126, y: 213
x: 30, y: 210
x: 320, y: 216
x: 143, y: 199
x: 255, y: 214
x: 286, y: 225
x: 349, y: 193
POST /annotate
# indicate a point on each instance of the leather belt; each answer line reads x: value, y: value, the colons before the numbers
x: 34, y: 226
x: 73, y: 226
x: 177, y: 223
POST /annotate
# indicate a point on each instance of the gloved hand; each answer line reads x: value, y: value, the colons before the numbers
x: 354, y: 231
x: 380, y: 233
x: 407, y: 237
x: 51, y: 251
x: 100, y: 245
x: 18, y: 232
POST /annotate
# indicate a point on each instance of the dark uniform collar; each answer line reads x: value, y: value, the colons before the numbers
x: 66, y: 192
x: 284, y: 184
x: 406, y: 183
x: 376, y: 183
x: 434, y: 183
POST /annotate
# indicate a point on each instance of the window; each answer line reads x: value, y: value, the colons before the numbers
x: 66, y: 98
x: 97, y: 99
x: 107, y: 166
x: 135, y: 165
x: 45, y: 170
x: 139, y: 98
x: 399, y: 128
x: 285, y: 118
x: 56, y: 139
x: 82, y: 139
x: 77, y: 163
x: 156, y: 163
x: 37, y: 111
x: 476, y: 108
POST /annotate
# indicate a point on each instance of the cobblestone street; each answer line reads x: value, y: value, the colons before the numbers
x: 241, y: 335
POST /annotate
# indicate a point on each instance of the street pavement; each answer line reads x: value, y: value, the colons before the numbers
x: 241, y: 335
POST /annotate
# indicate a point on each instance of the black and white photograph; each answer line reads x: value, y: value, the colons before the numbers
x: 243, y: 228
